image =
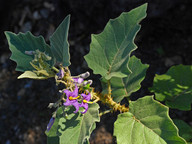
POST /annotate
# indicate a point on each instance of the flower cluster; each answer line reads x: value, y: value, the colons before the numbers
x: 73, y: 97
x: 77, y: 91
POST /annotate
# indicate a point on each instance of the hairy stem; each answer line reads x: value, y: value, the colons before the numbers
x: 104, y: 112
x: 107, y: 99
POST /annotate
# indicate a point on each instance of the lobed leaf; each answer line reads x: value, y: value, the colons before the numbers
x: 174, y: 87
x: 123, y: 87
x: 147, y: 122
x: 22, y: 42
x: 110, y: 50
x: 59, y: 43
x: 76, y: 129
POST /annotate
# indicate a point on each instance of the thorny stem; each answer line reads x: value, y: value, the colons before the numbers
x: 107, y: 99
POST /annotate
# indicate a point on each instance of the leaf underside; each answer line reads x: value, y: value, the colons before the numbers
x: 19, y: 43
x: 76, y: 129
x: 147, y: 122
x: 59, y: 43
x: 174, y: 87
x: 110, y: 50
x: 31, y: 75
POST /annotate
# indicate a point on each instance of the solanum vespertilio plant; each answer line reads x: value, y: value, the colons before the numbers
x: 76, y: 111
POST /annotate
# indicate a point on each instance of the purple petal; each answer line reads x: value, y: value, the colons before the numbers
x: 85, y: 105
x: 51, y: 121
x: 67, y: 92
x: 78, y: 80
x: 67, y: 103
x: 76, y: 105
x: 60, y: 74
x: 75, y: 92
x: 75, y: 79
x: 86, y: 97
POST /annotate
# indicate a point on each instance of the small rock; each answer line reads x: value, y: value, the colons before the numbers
x: 44, y: 13
x: 8, y: 142
x: 21, y: 92
x: 4, y: 57
x: 49, y: 6
x: 28, y: 84
x: 26, y: 27
x: 36, y: 15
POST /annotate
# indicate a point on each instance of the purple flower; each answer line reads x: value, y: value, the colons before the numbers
x: 60, y: 74
x: 51, y: 121
x: 78, y: 80
x: 85, y: 101
x: 72, y: 98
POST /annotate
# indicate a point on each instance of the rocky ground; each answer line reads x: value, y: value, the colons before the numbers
x: 164, y: 40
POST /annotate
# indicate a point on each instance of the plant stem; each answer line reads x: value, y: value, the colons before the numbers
x: 104, y: 112
x: 55, y: 69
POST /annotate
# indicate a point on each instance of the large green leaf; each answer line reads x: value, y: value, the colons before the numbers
x: 185, y: 130
x: 76, y: 129
x: 22, y: 42
x: 110, y: 50
x: 147, y: 122
x: 123, y: 87
x: 59, y: 43
x: 174, y: 87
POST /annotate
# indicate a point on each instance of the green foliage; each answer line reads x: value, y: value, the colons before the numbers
x: 185, y: 130
x: 76, y: 129
x: 123, y: 87
x: 147, y: 122
x: 59, y: 43
x: 110, y: 50
x: 174, y: 87
x: 20, y: 43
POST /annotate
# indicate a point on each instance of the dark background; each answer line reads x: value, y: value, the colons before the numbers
x: 165, y: 39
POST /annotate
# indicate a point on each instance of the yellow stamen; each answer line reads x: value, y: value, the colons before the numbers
x: 84, y: 101
x: 72, y: 98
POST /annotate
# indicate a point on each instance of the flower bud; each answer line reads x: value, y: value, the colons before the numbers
x: 29, y: 52
x: 88, y: 82
x: 85, y: 75
x: 50, y: 105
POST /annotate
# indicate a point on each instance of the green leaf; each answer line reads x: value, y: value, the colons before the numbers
x: 147, y: 122
x: 30, y: 74
x: 174, y: 87
x: 76, y: 129
x: 185, y: 130
x: 52, y: 137
x: 123, y: 87
x: 59, y: 43
x: 110, y: 50
x: 22, y: 42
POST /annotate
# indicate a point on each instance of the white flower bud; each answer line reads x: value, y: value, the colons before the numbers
x: 88, y: 82
x: 85, y: 75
